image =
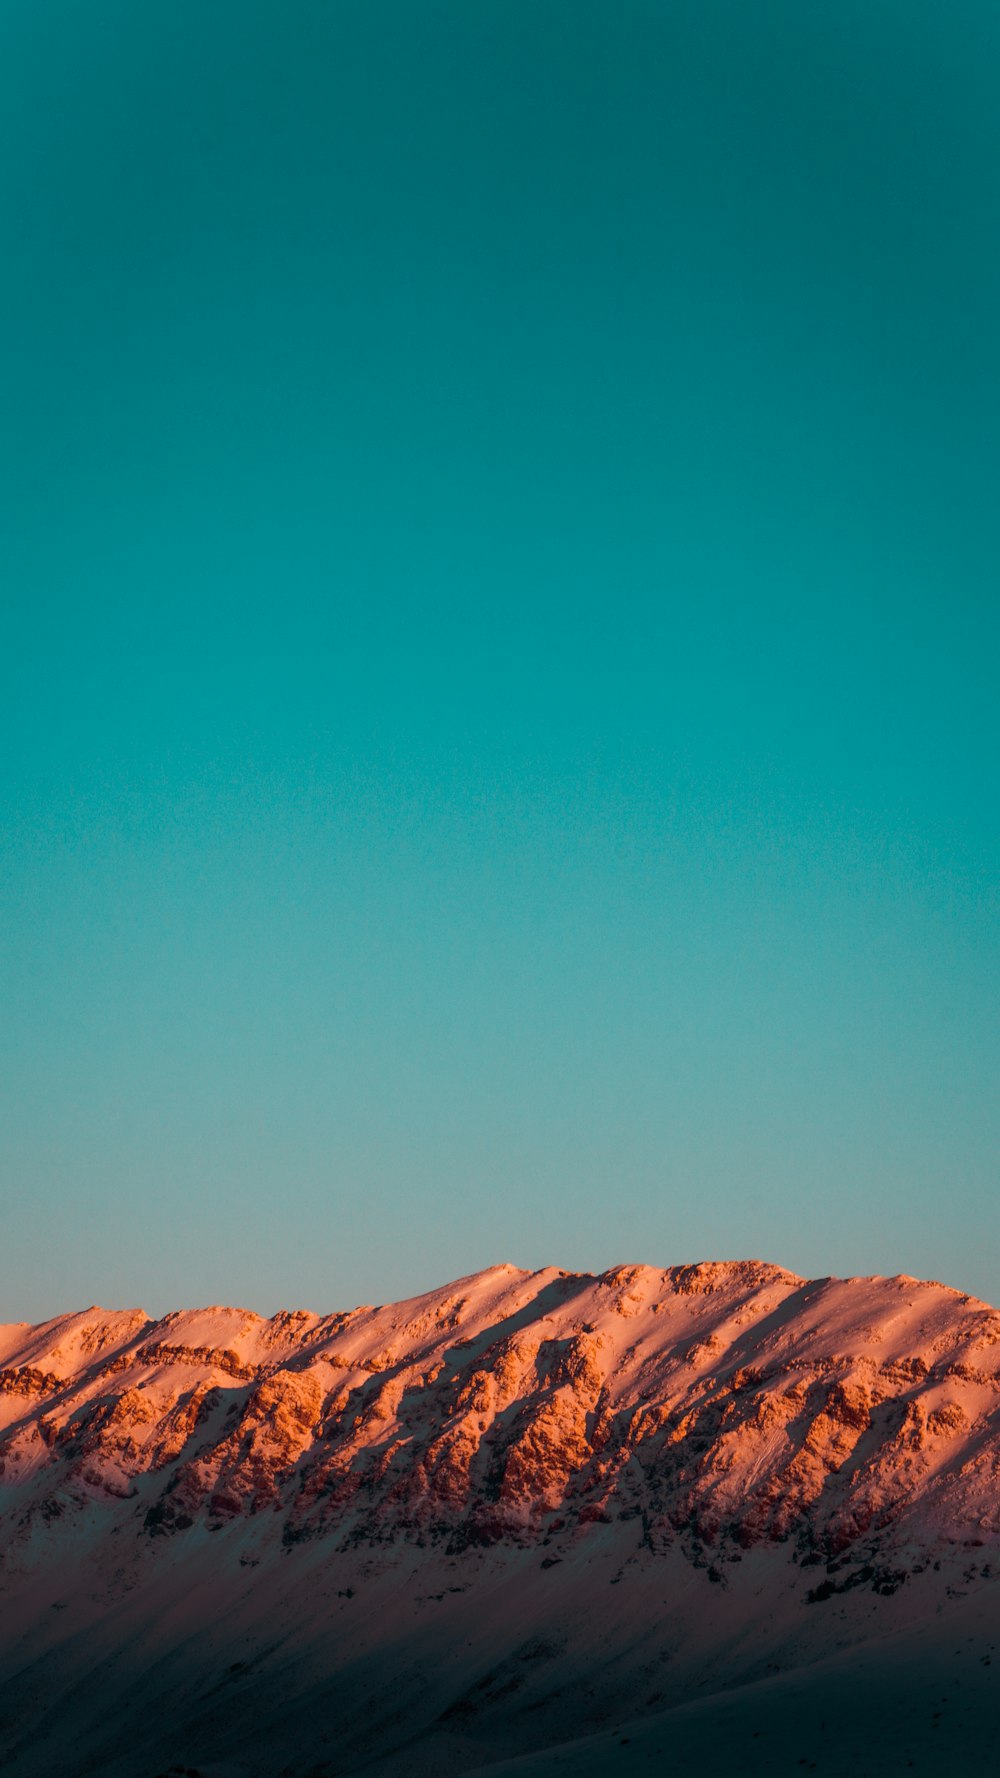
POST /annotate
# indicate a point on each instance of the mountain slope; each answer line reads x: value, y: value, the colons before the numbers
x: 479, y: 1522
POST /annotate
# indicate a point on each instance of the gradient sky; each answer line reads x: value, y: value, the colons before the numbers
x: 500, y: 546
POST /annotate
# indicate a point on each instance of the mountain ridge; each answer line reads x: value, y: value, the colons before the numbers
x: 863, y: 1390
x: 485, y: 1520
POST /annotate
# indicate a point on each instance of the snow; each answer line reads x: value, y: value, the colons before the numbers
x: 544, y: 1517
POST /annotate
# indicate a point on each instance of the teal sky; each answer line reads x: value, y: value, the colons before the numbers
x: 498, y: 713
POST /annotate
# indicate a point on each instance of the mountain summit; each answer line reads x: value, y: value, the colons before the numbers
x: 476, y: 1522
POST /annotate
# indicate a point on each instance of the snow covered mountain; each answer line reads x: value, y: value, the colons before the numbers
x: 504, y: 1520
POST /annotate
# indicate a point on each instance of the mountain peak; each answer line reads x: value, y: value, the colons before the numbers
x: 723, y: 1398
x: 713, y: 1434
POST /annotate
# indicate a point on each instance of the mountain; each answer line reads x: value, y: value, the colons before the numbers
x: 536, y: 1521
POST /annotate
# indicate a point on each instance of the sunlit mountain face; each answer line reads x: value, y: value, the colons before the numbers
x: 590, y: 1523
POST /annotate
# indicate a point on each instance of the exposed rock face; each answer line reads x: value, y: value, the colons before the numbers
x: 725, y: 1405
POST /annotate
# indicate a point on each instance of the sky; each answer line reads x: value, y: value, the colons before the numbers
x: 498, y: 652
